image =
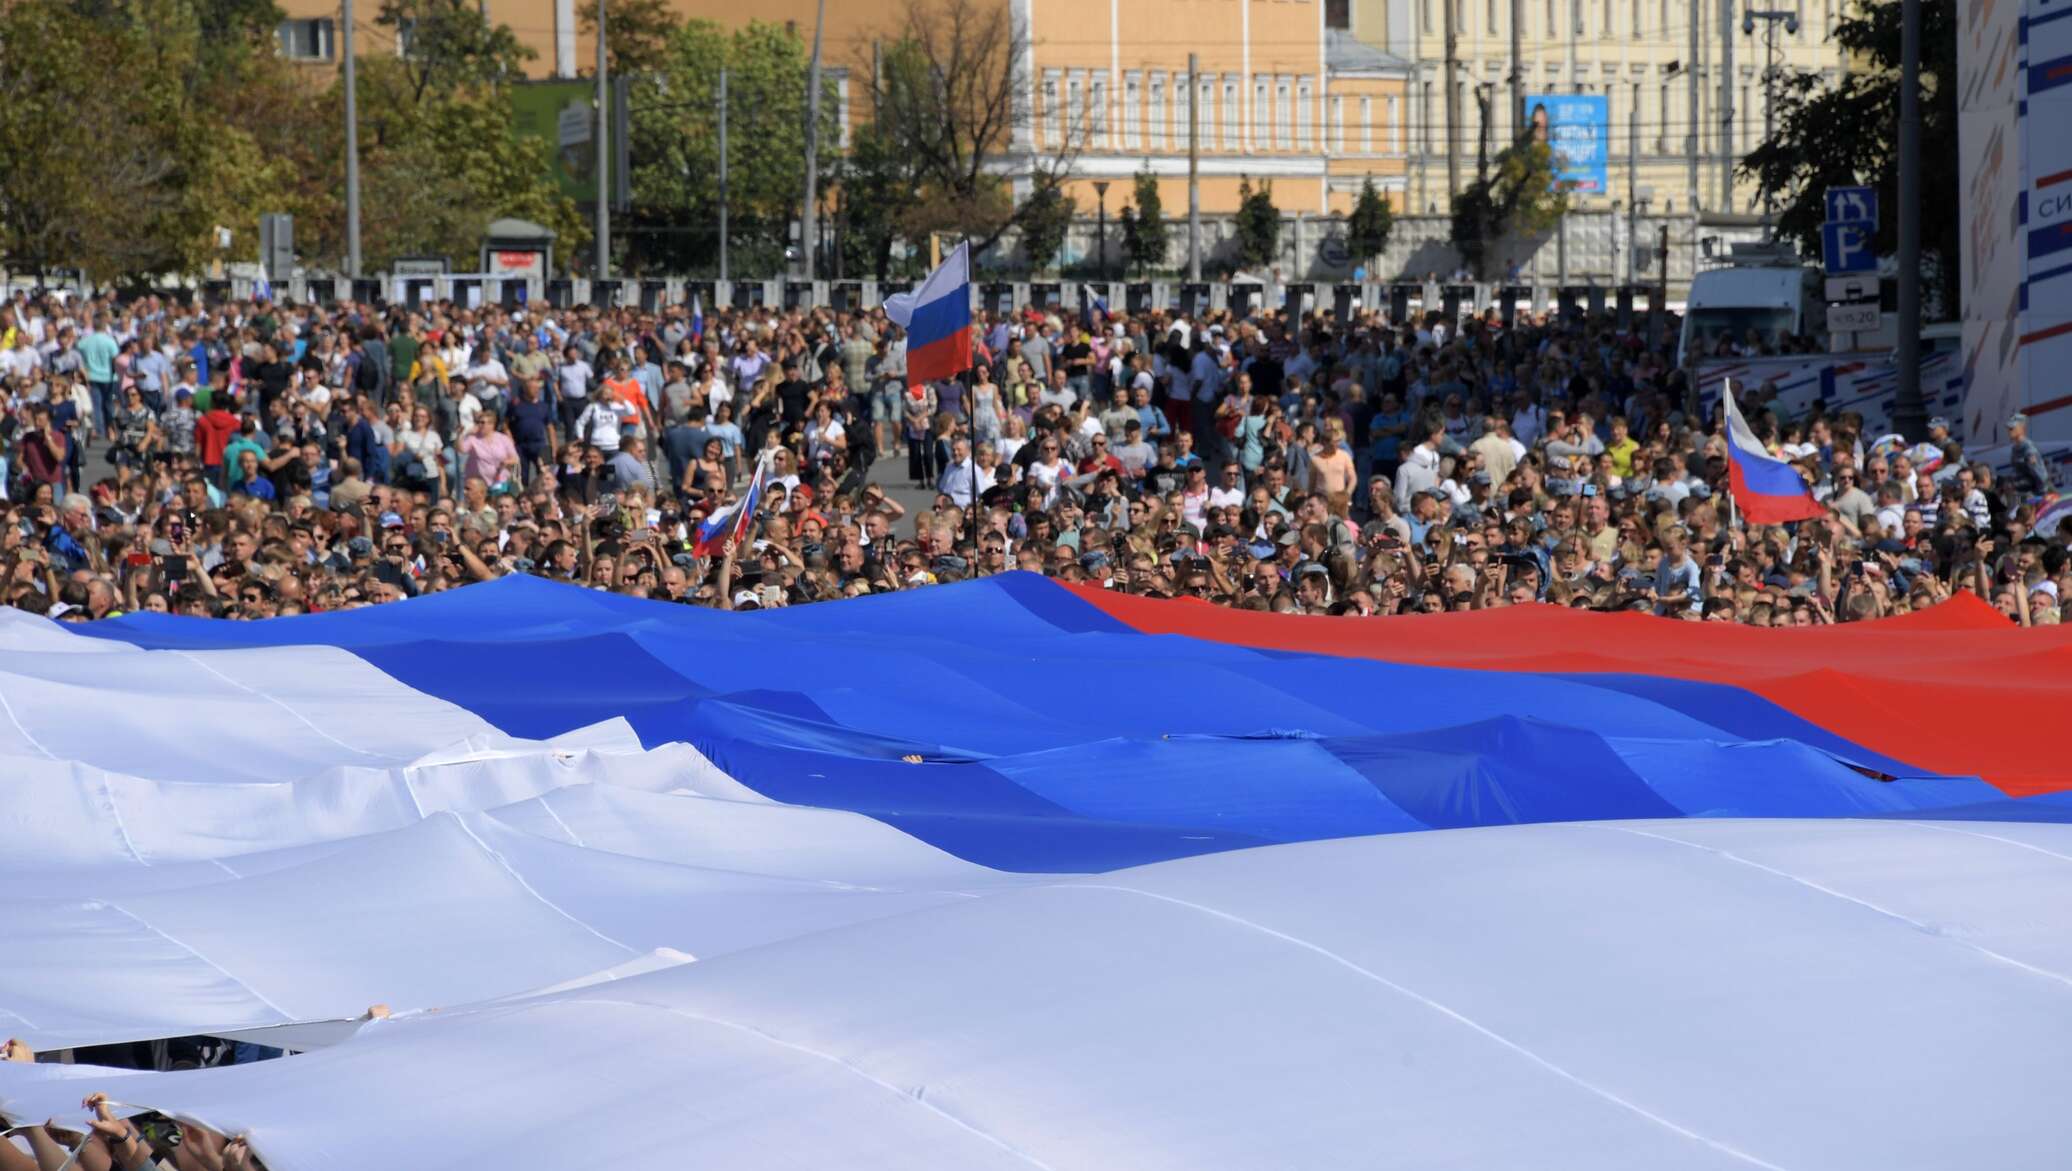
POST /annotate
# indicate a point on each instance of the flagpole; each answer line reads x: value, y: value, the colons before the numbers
x: 971, y: 413
x: 1726, y: 392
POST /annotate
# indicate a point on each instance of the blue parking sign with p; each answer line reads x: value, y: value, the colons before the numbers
x: 1852, y: 205
x: 1847, y: 248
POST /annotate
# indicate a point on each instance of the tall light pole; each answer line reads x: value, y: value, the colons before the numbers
x: 1193, y: 170
x: 723, y: 175
x: 352, y: 147
x: 1771, y: 18
x: 1517, y: 71
x: 1726, y: 99
x: 1101, y: 192
x: 604, y: 156
x: 1690, y: 68
x: 1452, y: 104
x: 1909, y: 411
x: 809, y: 221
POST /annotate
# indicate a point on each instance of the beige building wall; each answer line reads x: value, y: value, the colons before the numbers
x: 1107, y: 87
x: 1633, y: 52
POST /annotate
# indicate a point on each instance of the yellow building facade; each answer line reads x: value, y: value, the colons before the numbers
x: 1283, y: 99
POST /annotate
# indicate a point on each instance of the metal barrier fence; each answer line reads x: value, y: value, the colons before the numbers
x: 1398, y: 300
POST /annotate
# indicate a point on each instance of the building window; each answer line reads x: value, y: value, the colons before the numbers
x: 1338, y: 124
x: 1098, y: 95
x: 1132, y: 106
x: 1184, y: 114
x: 1053, y: 110
x: 1232, y: 127
x: 1205, y: 93
x: 1155, y: 128
x: 1262, y: 114
x: 1553, y: 21
x: 1367, y: 125
x: 1671, y: 112
x: 1305, y: 115
x: 1490, y: 17
x: 1425, y: 115
x: 1395, y: 128
x: 306, y: 40
x: 842, y: 107
x: 1338, y: 14
x: 1075, y: 105
x: 1425, y: 11
x: 1466, y: 128
x: 1283, y: 116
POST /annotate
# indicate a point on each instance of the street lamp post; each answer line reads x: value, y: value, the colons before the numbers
x: 1771, y: 18
x: 1101, y: 191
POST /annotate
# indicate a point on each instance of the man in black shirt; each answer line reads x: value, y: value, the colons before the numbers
x: 273, y: 376
x: 532, y: 420
x: 794, y: 395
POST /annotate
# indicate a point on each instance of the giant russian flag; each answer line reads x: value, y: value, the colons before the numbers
x: 1651, y: 893
x: 1766, y: 489
x: 937, y: 318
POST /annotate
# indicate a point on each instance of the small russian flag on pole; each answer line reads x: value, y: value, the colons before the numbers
x: 937, y: 318
x: 732, y: 521
x: 1767, y: 490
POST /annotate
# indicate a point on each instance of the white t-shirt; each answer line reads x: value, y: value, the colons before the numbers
x: 599, y: 426
x: 488, y: 377
x: 424, y: 445
x: 820, y: 439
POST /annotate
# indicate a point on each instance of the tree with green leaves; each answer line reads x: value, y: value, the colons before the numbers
x: 675, y: 147
x: 1258, y: 225
x: 452, y: 46
x: 1516, y: 199
x: 876, y: 184
x: 175, y: 117
x: 1144, y: 231
x: 1845, y: 134
x: 948, y: 97
x: 127, y: 133
x: 1368, y: 229
x: 439, y: 160
x: 1045, y: 217
x: 640, y: 32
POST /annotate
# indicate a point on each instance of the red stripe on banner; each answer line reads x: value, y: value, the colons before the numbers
x: 2054, y: 179
x: 940, y: 359
x: 2045, y: 334
x: 1999, y: 693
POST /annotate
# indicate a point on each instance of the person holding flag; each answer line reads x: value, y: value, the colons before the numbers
x: 937, y: 319
x: 1767, y: 490
x: 731, y: 523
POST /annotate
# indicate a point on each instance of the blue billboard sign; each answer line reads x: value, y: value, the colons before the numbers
x: 1577, y: 128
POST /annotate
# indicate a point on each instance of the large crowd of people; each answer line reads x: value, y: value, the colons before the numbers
x: 108, y: 1139
x: 247, y: 459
